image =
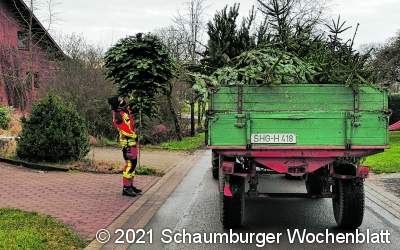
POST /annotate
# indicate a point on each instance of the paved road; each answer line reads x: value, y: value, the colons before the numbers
x: 194, y: 207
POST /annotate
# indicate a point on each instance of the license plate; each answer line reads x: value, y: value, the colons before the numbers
x: 273, y: 139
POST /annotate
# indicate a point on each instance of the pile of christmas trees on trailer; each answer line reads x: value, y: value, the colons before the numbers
x: 290, y: 54
x: 274, y: 66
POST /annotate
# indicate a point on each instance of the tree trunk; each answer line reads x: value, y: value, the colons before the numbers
x: 28, y: 93
x: 203, y: 112
x: 199, y: 125
x: 192, y: 120
x: 174, y: 117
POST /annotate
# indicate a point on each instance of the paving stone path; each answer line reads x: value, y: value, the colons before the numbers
x: 87, y: 202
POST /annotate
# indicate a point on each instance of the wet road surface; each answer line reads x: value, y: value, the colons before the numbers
x: 194, y: 207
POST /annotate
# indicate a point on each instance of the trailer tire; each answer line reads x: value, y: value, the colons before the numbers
x: 215, y: 172
x: 348, y: 203
x: 215, y: 165
x: 314, y: 184
x: 232, y: 208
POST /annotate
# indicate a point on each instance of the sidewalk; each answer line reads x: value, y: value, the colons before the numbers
x: 162, y: 161
x: 87, y: 202
x: 383, y: 189
x: 389, y: 182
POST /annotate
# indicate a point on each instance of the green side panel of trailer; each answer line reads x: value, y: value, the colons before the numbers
x: 319, y: 115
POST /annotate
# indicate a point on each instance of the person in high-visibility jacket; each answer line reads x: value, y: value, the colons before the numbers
x: 124, y: 121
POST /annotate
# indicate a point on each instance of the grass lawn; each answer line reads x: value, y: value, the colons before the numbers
x: 22, y: 230
x: 187, y: 144
x: 389, y: 161
x: 106, y: 142
x: 144, y: 170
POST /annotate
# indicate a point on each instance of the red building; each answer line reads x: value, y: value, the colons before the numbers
x: 27, y: 53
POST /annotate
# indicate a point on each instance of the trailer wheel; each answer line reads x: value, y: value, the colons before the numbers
x: 314, y: 184
x: 348, y: 203
x: 232, y: 208
x: 215, y: 165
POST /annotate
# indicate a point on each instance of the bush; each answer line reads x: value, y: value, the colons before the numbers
x: 5, y: 117
x: 54, y: 132
x: 155, y: 133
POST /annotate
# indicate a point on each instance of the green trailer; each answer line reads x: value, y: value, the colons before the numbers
x: 319, y: 132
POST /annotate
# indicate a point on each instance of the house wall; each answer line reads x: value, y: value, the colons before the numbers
x: 9, y: 27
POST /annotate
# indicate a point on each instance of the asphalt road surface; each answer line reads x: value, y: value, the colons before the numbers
x: 194, y: 207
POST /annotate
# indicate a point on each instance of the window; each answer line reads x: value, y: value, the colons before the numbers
x: 36, y: 80
x: 22, y: 40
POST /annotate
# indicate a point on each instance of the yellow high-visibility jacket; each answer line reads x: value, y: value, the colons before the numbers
x: 125, y: 123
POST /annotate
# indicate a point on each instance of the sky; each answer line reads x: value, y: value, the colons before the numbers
x: 103, y: 22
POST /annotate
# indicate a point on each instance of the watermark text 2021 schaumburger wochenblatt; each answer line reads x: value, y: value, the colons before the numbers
x: 293, y: 236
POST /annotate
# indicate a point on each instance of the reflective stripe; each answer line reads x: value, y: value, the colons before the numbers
x: 126, y: 142
x: 124, y: 136
x: 129, y: 175
x: 126, y: 129
x: 127, y: 172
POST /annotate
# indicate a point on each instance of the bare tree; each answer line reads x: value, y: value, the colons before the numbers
x: 11, y: 68
x: 191, y: 23
x: 34, y: 38
x: 80, y: 80
x: 176, y: 42
x: 386, y: 61
x: 285, y: 16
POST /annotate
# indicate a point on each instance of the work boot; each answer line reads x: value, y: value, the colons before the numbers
x: 128, y: 191
x: 137, y: 190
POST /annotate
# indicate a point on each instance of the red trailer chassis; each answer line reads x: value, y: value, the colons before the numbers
x: 330, y: 172
x: 295, y: 161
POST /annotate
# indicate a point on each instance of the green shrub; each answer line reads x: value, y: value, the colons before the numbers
x: 54, y: 132
x: 5, y: 117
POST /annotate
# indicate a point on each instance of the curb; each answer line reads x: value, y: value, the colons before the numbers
x: 34, y: 166
x: 139, y: 214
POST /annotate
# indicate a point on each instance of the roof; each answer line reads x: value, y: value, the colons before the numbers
x: 23, y: 12
x: 395, y: 126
